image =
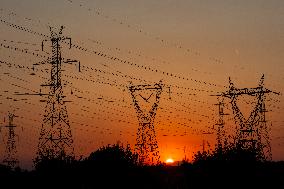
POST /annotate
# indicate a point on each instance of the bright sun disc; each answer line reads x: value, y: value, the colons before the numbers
x: 169, y: 160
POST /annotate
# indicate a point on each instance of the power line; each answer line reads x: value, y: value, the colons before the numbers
x: 144, y: 32
x: 119, y: 60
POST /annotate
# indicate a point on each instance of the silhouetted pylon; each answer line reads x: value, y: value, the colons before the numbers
x: 146, y: 100
x: 220, y: 130
x: 252, y: 133
x: 55, y: 141
x: 10, y: 156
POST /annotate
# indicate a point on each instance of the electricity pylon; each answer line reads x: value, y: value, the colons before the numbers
x: 10, y: 156
x: 252, y: 133
x: 55, y: 141
x: 145, y: 100
x: 220, y: 131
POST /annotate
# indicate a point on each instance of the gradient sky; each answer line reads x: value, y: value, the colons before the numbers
x: 203, y: 40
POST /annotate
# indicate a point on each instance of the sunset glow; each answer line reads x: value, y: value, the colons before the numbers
x: 141, y: 94
x: 169, y: 161
x: 193, y: 47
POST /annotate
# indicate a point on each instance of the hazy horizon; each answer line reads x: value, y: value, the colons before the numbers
x: 203, y: 43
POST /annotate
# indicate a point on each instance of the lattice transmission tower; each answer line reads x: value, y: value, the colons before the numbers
x: 220, y: 130
x: 55, y: 141
x: 10, y: 156
x: 251, y: 133
x: 145, y: 100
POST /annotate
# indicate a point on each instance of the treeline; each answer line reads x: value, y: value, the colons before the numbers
x: 117, y: 166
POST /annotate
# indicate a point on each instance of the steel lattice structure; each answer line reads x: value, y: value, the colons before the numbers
x: 251, y: 133
x: 55, y: 141
x: 146, y: 143
x: 220, y: 125
x: 10, y: 157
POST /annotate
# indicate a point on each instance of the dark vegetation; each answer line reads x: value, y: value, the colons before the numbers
x: 117, y: 167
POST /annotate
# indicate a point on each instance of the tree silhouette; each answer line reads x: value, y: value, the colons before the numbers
x: 114, y: 156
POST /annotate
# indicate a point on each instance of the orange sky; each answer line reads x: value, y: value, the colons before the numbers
x: 205, y: 42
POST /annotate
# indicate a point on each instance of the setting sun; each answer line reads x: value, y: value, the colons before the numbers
x: 144, y: 94
x: 169, y: 161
